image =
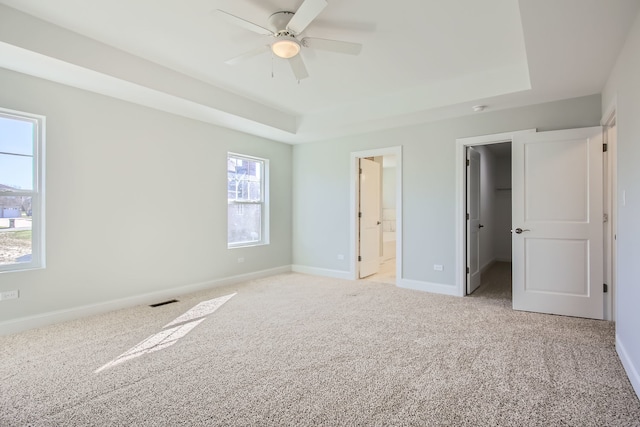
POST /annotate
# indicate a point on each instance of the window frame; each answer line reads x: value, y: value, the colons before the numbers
x: 36, y: 194
x: 264, y: 202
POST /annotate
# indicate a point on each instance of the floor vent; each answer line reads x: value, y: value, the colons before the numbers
x: 171, y: 301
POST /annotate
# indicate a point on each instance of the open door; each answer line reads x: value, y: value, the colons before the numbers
x: 369, y: 218
x: 557, y: 222
x: 473, y: 220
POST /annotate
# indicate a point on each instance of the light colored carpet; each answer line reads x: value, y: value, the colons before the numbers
x: 302, y: 350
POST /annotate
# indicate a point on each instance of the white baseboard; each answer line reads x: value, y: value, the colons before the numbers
x: 39, y: 320
x: 436, y: 288
x: 627, y: 363
x: 315, y: 271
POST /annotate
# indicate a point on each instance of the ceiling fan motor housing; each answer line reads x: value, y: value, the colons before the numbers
x: 278, y: 22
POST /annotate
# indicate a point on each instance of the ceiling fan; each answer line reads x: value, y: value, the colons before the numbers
x: 285, y: 28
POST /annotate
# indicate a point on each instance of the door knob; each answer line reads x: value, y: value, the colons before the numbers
x: 480, y: 226
x: 520, y: 230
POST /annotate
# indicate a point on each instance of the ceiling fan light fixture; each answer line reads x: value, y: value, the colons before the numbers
x: 285, y: 47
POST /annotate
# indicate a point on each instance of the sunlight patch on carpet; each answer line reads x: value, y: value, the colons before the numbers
x: 168, y: 337
x: 203, y: 309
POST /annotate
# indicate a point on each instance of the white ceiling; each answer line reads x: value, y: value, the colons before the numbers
x: 422, y: 59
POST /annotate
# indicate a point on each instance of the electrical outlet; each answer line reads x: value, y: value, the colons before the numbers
x: 240, y: 260
x: 9, y: 295
x: 438, y: 267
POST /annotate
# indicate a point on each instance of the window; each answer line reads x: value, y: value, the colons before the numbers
x: 21, y: 185
x: 247, y: 201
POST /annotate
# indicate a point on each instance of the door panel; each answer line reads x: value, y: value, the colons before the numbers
x: 557, y: 203
x: 552, y: 193
x: 546, y: 259
x: 370, y: 221
x: 473, y: 223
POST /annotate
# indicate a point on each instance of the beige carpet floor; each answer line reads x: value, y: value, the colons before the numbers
x: 299, y: 350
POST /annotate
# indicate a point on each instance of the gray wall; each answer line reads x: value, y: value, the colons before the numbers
x: 116, y: 173
x: 389, y: 188
x: 502, y: 219
x: 321, y: 185
x: 487, y: 206
x: 624, y: 86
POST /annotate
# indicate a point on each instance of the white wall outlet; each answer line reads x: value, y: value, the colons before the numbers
x: 9, y: 295
x: 438, y: 267
x: 340, y: 257
x: 240, y: 260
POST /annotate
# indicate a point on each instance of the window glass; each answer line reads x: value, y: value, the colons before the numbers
x: 16, y: 136
x: 16, y: 230
x: 245, y: 223
x: 16, y: 171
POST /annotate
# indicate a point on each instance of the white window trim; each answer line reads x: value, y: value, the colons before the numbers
x: 265, y: 203
x: 37, y: 194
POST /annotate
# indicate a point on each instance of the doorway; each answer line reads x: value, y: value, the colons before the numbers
x: 557, y: 242
x: 488, y: 208
x: 496, y: 182
x: 388, y: 247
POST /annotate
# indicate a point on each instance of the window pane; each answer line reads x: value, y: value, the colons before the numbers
x: 244, y: 179
x: 16, y: 136
x: 245, y: 222
x: 16, y: 171
x: 15, y: 230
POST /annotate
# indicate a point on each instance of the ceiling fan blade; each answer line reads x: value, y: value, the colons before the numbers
x: 247, y: 55
x: 306, y: 13
x: 245, y: 24
x: 297, y: 65
x: 332, y: 45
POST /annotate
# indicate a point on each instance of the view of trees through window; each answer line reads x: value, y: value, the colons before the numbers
x: 245, y: 188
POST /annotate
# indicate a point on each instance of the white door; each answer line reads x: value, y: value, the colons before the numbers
x: 369, y: 218
x: 557, y: 222
x: 473, y: 220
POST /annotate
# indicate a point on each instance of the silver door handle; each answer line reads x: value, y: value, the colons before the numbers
x: 520, y: 230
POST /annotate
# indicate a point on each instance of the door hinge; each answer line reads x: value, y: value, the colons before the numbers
x: 359, y: 258
x: 605, y: 288
x: 360, y: 171
x: 467, y: 216
x: 467, y: 270
x: 605, y: 218
x: 467, y: 162
x: 359, y: 214
x: 605, y: 147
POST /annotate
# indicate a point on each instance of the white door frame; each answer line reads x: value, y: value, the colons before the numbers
x: 611, y: 208
x: 461, y: 191
x: 353, y: 203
